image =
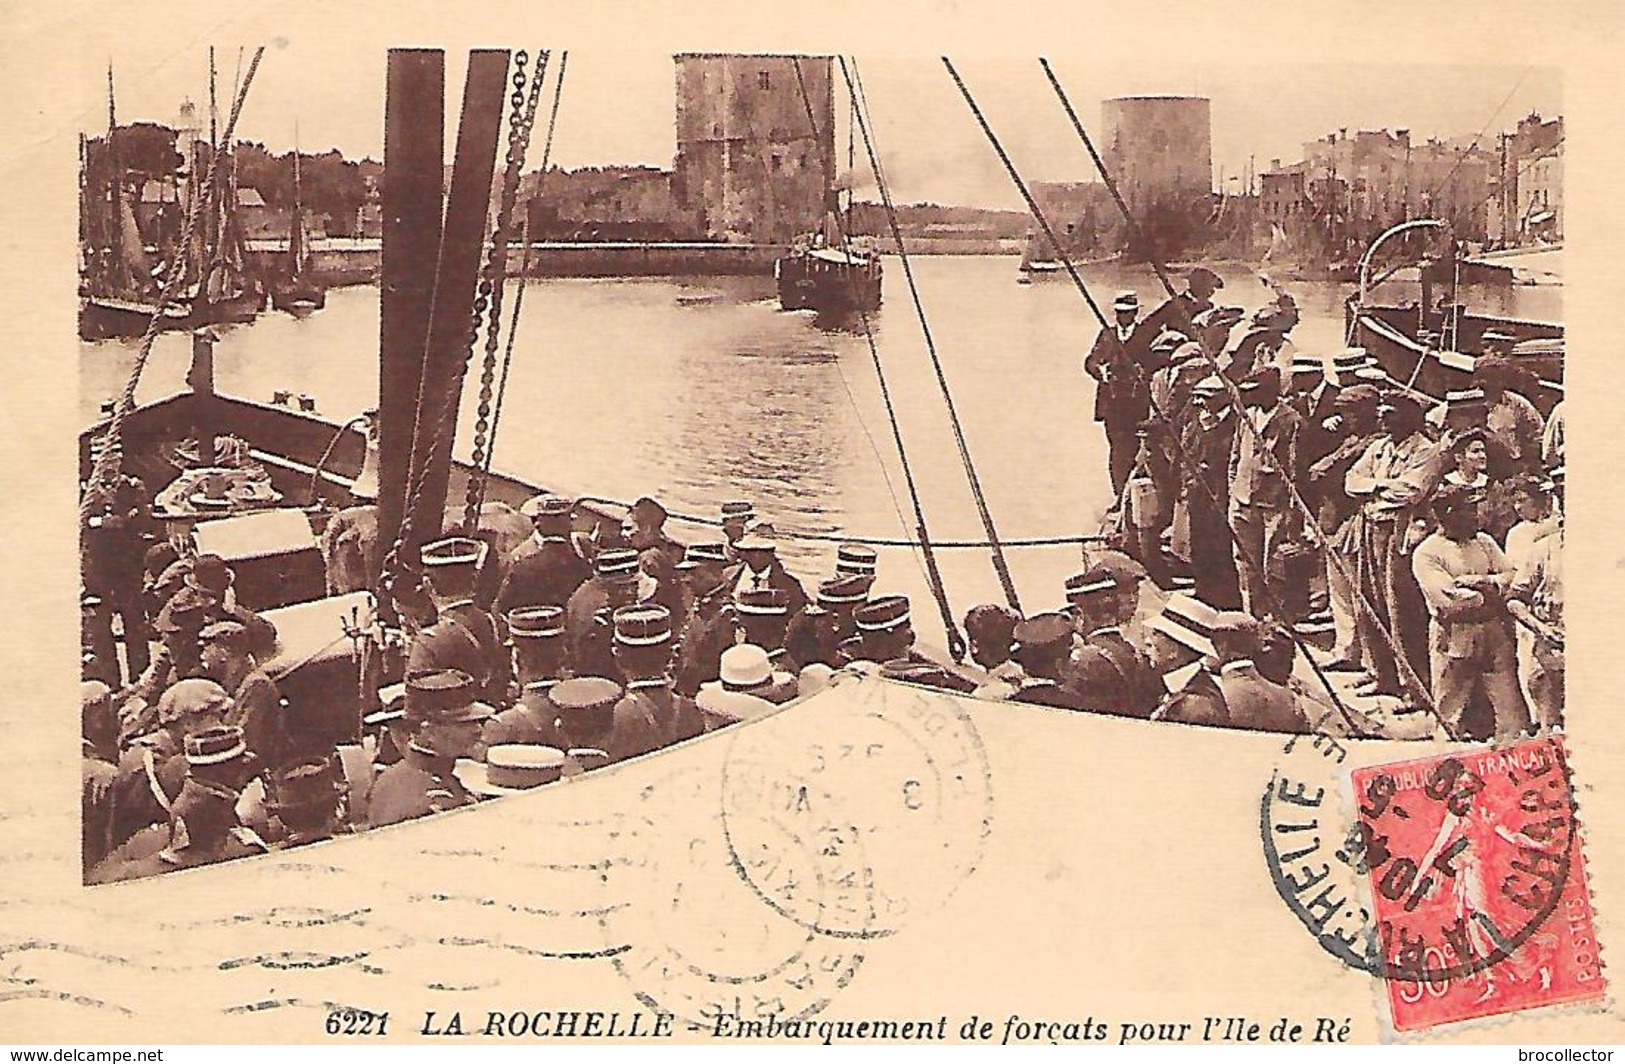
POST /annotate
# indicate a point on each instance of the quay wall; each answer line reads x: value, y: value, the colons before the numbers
x: 358, y: 261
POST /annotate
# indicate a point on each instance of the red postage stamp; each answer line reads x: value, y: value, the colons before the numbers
x: 1478, y: 885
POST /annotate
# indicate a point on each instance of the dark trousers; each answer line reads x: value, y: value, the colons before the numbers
x: 98, y: 640
x: 1121, y: 446
x: 1213, y: 562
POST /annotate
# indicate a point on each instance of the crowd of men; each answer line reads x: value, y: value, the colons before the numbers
x: 1258, y: 488
x: 1292, y: 486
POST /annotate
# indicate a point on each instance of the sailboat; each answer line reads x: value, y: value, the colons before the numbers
x: 297, y: 291
x: 1039, y: 258
x: 121, y: 287
x: 118, y: 294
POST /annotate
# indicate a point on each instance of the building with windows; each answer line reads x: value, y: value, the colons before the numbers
x: 752, y: 164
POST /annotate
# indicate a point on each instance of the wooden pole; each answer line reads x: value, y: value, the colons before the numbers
x: 413, y: 184
x: 451, y: 318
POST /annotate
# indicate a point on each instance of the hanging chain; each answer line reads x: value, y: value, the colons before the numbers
x: 488, y: 301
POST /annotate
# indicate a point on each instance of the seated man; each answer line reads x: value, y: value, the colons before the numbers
x: 1253, y: 701
x: 1106, y: 672
x: 446, y: 721
x: 1043, y: 650
x: 747, y: 688
x: 1179, y: 647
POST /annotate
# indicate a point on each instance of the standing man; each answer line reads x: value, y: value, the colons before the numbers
x: 763, y: 569
x: 544, y: 570
x: 1264, y: 460
x: 1122, y: 400
x: 1464, y: 578
x: 463, y: 636
x: 588, y: 622
x: 1208, y: 440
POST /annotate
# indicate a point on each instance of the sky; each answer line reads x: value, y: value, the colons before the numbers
x: 1268, y: 95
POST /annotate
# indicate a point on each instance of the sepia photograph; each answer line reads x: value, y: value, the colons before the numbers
x: 930, y: 531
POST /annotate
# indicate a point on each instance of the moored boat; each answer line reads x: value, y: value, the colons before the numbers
x: 1434, y: 342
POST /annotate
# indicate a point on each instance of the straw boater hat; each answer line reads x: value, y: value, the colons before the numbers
x: 746, y: 679
x: 1126, y: 301
x: 738, y: 510
x: 1188, y: 621
x: 1307, y: 365
x: 512, y: 768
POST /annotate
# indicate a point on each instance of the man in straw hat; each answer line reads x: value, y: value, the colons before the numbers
x: 1209, y: 439
x: 1262, y: 465
x: 1179, y: 647
x: 1357, y: 406
x: 446, y: 717
x: 544, y: 570
x: 1122, y: 400
x: 762, y: 569
x: 746, y: 687
x: 1391, y: 480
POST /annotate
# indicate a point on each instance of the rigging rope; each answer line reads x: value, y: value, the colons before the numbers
x: 1001, y: 567
x: 524, y: 267
x: 106, y: 462
x: 1307, y: 515
x: 956, y: 642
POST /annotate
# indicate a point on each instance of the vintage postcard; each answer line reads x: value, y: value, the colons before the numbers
x: 945, y: 524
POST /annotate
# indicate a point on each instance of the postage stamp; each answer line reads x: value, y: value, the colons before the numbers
x: 1478, y: 887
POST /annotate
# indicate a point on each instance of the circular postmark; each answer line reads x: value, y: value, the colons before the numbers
x: 692, y: 939
x: 887, y: 791
x: 1445, y: 879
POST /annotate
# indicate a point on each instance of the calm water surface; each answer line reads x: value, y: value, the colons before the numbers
x: 700, y: 390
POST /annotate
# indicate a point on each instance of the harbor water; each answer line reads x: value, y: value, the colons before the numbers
x: 697, y: 390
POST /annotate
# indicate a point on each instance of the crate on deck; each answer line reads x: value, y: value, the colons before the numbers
x: 273, y: 553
